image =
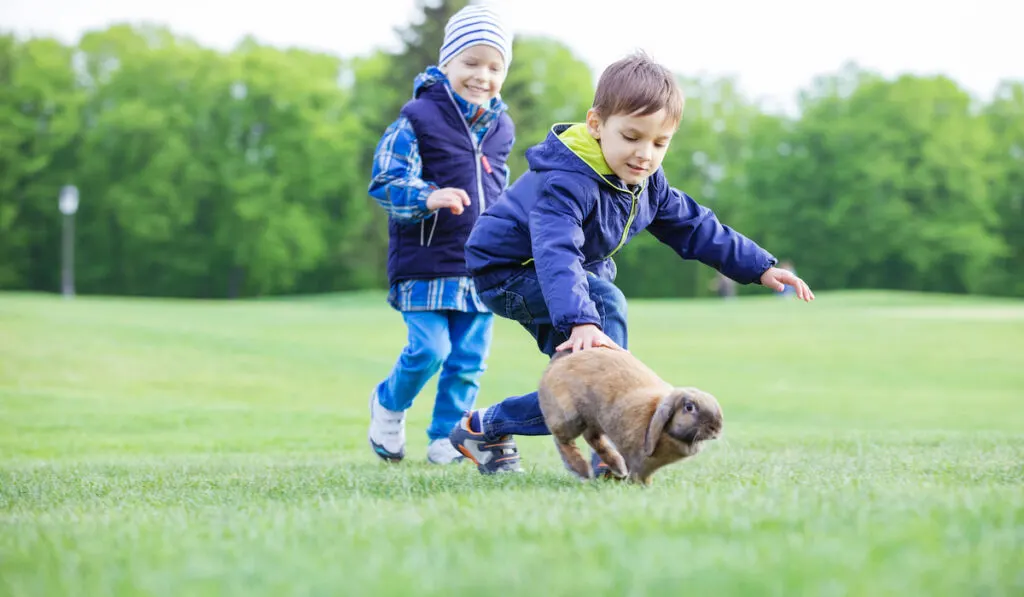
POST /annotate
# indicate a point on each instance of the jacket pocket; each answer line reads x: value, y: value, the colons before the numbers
x: 516, y: 308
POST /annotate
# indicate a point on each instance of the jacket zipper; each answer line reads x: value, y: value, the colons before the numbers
x: 629, y: 222
x: 478, y: 152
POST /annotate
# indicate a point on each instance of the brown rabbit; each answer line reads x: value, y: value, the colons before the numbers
x: 607, y: 394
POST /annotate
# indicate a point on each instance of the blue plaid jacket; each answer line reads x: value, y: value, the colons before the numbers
x: 398, y: 187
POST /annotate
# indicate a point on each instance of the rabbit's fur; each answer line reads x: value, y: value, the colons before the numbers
x: 607, y: 394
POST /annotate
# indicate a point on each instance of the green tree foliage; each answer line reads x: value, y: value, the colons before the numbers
x: 883, y: 185
x: 546, y: 84
x: 39, y: 122
x: 1005, y: 117
x: 244, y: 173
x: 421, y: 41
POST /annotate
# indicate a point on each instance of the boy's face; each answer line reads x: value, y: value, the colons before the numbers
x: 633, y: 146
x: 476, y: 73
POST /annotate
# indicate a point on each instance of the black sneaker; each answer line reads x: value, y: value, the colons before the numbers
x: 490, y: 455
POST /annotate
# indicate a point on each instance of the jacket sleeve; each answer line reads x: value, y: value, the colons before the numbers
x: 694, y: 232
x: 556, y: 233
x: 397, y: 167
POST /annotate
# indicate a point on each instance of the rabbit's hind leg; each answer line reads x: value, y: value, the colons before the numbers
x: 572, y: 457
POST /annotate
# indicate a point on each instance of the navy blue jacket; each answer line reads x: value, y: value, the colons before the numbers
x: 451, y: 157
x: 568, y: 215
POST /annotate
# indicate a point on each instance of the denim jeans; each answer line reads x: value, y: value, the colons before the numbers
x: 452, y: 341
x: 520, y: 299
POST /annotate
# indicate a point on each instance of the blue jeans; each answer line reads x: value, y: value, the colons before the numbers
x: 519, y: 298
x: 452, y: 341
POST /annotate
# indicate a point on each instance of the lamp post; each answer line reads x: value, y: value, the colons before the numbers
x: 68, y: 204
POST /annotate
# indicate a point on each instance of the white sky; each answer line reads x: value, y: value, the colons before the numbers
x: 774, y: 47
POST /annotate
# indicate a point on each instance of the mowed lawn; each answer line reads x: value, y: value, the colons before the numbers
x: 873, y: 445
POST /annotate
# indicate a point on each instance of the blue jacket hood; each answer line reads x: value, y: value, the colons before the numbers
x: 569, y: 147
x: 428, y: 78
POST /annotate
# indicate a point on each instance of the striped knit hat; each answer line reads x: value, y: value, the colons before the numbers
x: 475, y: 24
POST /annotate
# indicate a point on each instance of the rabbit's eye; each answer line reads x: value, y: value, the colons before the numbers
x: 689, y: 407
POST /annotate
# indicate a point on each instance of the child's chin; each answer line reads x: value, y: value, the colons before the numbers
x: 476, y: 98
x: 631, y: 178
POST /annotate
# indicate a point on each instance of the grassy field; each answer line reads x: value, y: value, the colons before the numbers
x: 874, y: 445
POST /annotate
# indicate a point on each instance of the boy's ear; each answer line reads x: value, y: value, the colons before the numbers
x: 593, y: 123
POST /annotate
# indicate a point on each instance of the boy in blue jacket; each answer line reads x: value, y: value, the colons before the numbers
x: 435, y: 170
x: 542, y: 255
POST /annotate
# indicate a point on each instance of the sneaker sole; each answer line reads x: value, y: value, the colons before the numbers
x: 455, y: 460
x: 383, y: 454
x: 482, y: 469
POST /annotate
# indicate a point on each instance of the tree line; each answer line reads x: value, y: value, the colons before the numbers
x: 211, y: 174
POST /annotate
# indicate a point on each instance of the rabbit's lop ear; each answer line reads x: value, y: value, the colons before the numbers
x: 667, y: 406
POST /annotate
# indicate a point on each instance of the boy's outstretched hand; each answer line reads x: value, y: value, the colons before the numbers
x: 587, y: 336
x: 776, y: 279
x: 452, y: 198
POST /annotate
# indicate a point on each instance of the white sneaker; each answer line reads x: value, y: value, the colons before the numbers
x: 441, y: 451
x: 387, y: 431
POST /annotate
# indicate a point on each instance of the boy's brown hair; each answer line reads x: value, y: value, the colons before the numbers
x: 637, y: 84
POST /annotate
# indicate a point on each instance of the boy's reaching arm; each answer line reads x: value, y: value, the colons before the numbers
x: 694, y: 232
x: 396, y: 183
x: 777, y: 279
x: 556, y: 232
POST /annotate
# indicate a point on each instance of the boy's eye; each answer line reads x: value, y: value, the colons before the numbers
x: 628, y: 138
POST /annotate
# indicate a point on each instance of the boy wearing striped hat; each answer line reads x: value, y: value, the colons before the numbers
x: 435, y: 170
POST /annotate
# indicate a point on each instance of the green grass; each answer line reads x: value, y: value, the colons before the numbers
x: 874, y: 445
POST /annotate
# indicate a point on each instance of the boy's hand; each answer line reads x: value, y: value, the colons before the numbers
x: 587, y: 336
x: 452, y: 198
x: 776, y: 279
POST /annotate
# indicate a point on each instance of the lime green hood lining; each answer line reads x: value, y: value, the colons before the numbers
x: 577, y: 138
